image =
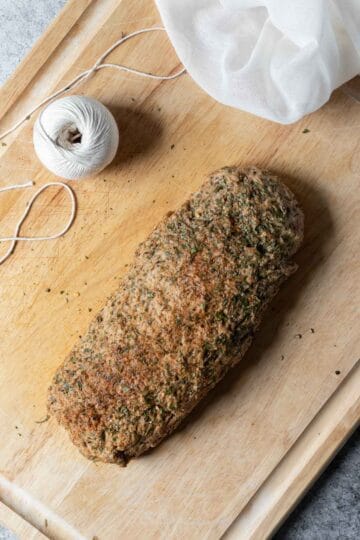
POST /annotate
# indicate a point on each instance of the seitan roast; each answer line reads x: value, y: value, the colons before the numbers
x: 184, y: 314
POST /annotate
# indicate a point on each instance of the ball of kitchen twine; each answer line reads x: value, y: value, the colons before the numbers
x: 75, y: 137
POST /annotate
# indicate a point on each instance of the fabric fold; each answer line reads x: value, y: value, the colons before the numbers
x: 273, y: 58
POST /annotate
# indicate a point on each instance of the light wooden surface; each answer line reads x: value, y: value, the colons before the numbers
x: 15, y: 523
x: 301, y: 466
x: 196, y: 483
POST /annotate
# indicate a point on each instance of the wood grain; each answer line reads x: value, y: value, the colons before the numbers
x: 196, y: 483
x: 39, y: 54
x: 14, y: 522
x: 301, y: 466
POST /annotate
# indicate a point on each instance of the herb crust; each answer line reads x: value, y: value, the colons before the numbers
x: 184, y: 314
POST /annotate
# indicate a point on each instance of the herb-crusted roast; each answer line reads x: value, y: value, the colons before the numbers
x: 183, y: 315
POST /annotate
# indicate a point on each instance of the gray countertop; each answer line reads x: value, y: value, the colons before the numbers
x: 331, y: 509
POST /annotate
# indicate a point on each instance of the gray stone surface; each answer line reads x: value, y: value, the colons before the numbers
x: 5, y: 534
x: 331, y: 510
x: 21, y: 22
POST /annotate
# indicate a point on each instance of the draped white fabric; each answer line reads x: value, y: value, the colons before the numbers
x: 279, y: 59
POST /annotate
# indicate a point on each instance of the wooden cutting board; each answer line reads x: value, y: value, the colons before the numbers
x: 242, y: 461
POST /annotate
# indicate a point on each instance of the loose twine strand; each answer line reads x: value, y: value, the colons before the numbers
x: 98, y: 65
x: 16, y: 237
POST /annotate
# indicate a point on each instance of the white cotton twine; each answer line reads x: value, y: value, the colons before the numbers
x: 75, y: 137
x: 16, y: 236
